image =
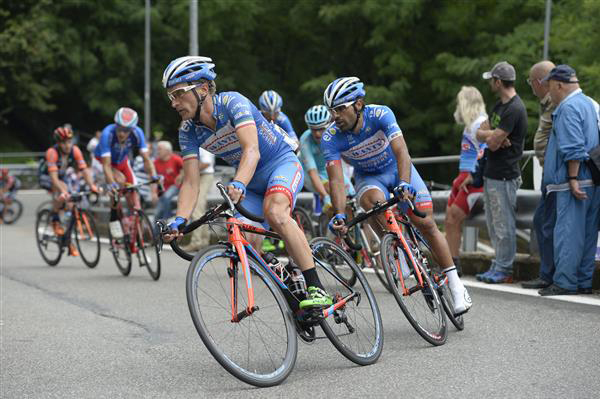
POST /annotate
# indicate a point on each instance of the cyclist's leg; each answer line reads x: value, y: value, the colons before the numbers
x: 439, y: 246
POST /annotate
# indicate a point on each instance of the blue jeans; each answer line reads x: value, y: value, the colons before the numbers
x: 164, y: 208
x: 500, y: 201
x: 575, y: 238
x: 543, y: 224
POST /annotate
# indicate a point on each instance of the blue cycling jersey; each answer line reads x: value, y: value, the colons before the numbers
x: 470, y: 148
x: 311, y: 155
x: 233, y: 111
x: 369, y: 151
x: 283, y: 122
x: 109, y: 144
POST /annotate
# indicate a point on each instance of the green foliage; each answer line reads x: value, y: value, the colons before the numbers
x: 79, y: 60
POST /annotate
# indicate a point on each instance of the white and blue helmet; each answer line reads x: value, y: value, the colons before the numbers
x: 188, y: 69
x: 126, y: 117
x: 343, y: 91
x: 269, y: 101
x: 317, y: 117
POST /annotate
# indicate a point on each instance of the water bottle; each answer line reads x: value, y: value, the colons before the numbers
x: 296, y: 283
x: 276, y: 266
x: 115, y: 229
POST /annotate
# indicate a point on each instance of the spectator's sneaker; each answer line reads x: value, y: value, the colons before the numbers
x: 584, y: 291
x: 555, y: 290
x: 536, y: 283
x: 57, y: 228
x: 316, y: 298
x: 481, y: 276
x: 497, y: 278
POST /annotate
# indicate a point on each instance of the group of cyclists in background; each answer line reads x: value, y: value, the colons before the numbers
x: 350, y: 150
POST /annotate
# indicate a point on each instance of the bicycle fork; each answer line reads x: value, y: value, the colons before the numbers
x: 239, y: 243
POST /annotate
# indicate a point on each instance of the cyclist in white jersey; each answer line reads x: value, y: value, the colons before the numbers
x: 369, y: 138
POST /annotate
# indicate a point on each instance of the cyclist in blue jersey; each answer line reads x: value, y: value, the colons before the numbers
x: 116, y: 142
x: 268, y: 174
x: 270, y: 104
x: 369, y: 138
x: 317, y: 118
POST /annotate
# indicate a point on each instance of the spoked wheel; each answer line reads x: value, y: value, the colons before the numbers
x: 49, y: 244
x: 302, y: 218
x: 420, y: 303
x: 448, y: 302
x: 354, y: 328
x: 148, y: 254
x: 13, y: 211
x: 259, y: 349
x: 87, y: 238
x: 121, y: 252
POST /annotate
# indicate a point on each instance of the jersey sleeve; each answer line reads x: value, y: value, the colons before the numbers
x: 388, y: 123
x: 103, y: 148
x: 142, y: 146
x: 188, y: 142
x: 306, y: 155
x: 328, y: 146
x: 52, y: 159
x: 238, y: 108
x: 286, y: 124
x: 78, y: 157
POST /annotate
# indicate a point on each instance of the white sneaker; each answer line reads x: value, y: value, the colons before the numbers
x: 462, y: 302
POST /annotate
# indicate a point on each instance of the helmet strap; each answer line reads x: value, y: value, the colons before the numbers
x: 200, y: 101
x: 357, y: 117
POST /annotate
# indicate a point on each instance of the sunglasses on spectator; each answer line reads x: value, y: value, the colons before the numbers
x: 177, y: 93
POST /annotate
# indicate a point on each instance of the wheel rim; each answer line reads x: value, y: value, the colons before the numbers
x: 48, y: 242
x: 86, y: 236
x: 146, y: 244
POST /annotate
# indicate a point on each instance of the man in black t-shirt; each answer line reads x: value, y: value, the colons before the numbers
x: 505, y: 135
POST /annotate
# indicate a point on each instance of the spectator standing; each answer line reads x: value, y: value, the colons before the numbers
x: 542, y: 220
x: 504, y: 135
x: 567, y: 178
x: 470, y: 112
x: 91, y: 147
x: 201, y: 236
x: 170, y: 166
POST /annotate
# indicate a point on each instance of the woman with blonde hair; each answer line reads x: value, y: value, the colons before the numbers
x: 470, y: 112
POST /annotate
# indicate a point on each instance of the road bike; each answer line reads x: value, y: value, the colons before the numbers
x: 10, y: 212
x: 246, y: 311
x: 138, y: 236
x: 53, y: 239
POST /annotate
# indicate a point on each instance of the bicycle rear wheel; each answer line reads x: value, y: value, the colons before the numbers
x: 87, y: 238
x: 148, y: 254
x: 261, y: 348
x: 302, y: 218
x: 121, y: 252
x: 13, y: 211
x: 355, y: 328
x: 48, y: 243
x: 419, y: 303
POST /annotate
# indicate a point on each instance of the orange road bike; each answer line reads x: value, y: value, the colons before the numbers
x: 246, y: 311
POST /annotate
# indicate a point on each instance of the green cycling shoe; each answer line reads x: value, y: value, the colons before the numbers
x: 317, y: 298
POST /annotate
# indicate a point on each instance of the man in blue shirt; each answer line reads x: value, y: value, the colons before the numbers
x: 369, y: 138
x: 270, y: 103
x: 567, y: 177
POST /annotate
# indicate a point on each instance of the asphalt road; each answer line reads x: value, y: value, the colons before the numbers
x: 73, y: 332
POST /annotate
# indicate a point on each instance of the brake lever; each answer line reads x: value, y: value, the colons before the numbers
x: 225, y: 196
x: 159, y: 229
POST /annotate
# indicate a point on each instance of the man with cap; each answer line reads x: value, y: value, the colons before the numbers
x: 542, y: 220
x: 504, y: 135
x: 568, y: 179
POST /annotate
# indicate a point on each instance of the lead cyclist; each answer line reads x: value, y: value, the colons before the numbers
x: 369, y: 138
x: 268, y: 174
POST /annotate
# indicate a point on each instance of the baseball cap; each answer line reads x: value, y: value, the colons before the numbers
x: 562, y: 73
x: 503, y: 71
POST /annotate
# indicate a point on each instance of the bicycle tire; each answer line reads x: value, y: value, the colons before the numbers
x: 152, y: 267
x: 15, y: 213
x: 44, y: 234
x: 435, y: 331
x: 264, y: 286
x: 119, y: 247
x: 332, y: 326
x: 84, y: 214
x: 304, y: 221
x: 448, y: 304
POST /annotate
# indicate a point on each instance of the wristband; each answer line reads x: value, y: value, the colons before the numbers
x: 572, y: 178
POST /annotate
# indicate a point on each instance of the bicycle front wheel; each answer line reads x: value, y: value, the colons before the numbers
x: 13, y: 211
x: 354, y: 328
x: 48, y: 243
x: 87, y: 238
x: 261, y: 348
x: 419, y: 301
x: 149, y: 254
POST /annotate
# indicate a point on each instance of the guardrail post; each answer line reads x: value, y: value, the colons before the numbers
x: 470, y: 236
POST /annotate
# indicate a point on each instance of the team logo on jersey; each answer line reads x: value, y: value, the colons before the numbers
x: 185, y: 125
x: 296, y: 180
x: 326, y: 137
x: 465, y: 146
x: 331, y: 131
x: 226, y: 99
x: 380, y: 113
x: 241, y: 113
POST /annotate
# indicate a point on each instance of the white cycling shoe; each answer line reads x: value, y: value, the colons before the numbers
x: 462, y: 302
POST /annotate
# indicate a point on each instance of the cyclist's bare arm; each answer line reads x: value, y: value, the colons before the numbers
x: 337, y: 188
x: 248, y: 137
x: 108, y: 172
x: 87, y: 176
x: 56, y: 183
x: 317, y: 183
x: 188, y: 194
x: 402, y: 157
